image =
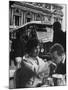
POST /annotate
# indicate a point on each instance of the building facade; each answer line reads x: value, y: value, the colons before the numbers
x: 23, y: 12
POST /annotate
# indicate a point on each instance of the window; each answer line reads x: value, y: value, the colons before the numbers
x: 16, y: 20
x: 55, y: 19
x: 28, y: 19
x: 28, y: 16
x: 48, y: 6
x: 38, y: 18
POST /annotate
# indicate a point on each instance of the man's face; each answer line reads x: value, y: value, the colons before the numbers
x: 56, y: 58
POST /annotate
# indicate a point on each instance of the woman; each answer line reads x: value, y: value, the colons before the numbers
x: 32, y: 67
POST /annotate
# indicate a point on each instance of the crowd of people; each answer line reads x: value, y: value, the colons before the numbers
x: 34, y: 71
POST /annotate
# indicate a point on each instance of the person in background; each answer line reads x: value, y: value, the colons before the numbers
x: 59, y: 35
x: 20, y: 43
x: 33, y: 34
x: 19, y: 47
x: 32, y: 67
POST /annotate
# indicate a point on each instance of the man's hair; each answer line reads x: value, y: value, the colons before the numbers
x: 57, y: 47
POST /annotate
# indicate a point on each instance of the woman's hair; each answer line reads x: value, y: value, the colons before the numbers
x: 31, y: 45
x: 57, y: 47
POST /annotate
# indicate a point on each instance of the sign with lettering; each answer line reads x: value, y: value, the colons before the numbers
x: 45, y: 36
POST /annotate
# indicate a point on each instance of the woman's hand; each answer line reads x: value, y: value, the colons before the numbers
x: 50, y: 62
x: 18, y: 60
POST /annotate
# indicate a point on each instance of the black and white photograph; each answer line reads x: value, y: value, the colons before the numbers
x: 37, y: 44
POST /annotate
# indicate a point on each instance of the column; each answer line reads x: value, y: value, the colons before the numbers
x: 22, y: 18
x: 33, y: 16
x: 10, y: 16
x: 13, y: 23
x: 52, y: 19
x: 13, y: 20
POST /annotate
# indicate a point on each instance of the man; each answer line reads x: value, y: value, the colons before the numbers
x: 58, y: 57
